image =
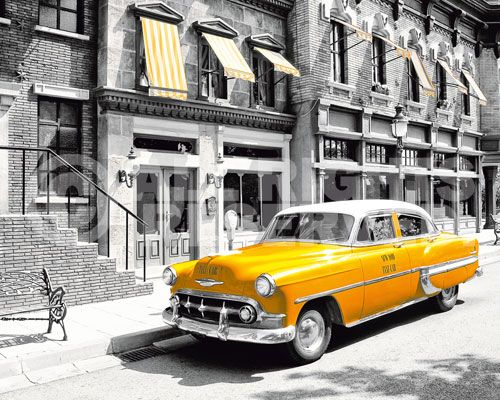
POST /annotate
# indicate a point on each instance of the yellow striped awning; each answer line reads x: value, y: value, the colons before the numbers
x: 461, y: 87
x: 423, y: 75
x: 475, y: 87
x: 280, y: 63
x: 164, y: 62
x: 360, y: 33
x: 230, y: 57
x: 399, y: 50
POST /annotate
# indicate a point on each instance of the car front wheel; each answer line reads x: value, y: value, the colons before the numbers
x: 447, y: 299
x: 312, y: 336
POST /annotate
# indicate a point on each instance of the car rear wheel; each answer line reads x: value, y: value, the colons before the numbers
x: 312, y: 336
x: 446, y: 300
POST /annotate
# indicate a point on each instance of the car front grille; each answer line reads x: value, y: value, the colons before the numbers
x: 208, y: 309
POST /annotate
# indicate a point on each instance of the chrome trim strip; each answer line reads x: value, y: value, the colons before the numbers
x: 425, y: 273
x: 208, y: 282
x: 233, y: 333
x: 391, y: 310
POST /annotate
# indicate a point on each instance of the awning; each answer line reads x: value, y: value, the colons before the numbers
x: 164, y: 62
x: 461, y: 87
x: 399, y: 50
x: 230, y: 57
x: 475, y: 87
x: 280, y: 63
x: 360, y: 33
x: 423, y: 75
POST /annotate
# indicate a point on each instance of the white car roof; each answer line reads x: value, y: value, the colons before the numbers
x: 357, y: 208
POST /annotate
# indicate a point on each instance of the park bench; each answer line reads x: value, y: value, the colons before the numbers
x: 496, y: 227
x: 26, y: 284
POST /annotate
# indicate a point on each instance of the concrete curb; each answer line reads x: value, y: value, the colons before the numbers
x: 32, y: 362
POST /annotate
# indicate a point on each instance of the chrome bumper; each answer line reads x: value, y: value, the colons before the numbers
x: 223, y: 331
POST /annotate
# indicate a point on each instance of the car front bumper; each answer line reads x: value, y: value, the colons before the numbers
x: 227, y: 332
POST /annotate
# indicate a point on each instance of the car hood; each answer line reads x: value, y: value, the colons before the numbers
x: 285, y: 261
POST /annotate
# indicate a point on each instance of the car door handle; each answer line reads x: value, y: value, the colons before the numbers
x: 398, y: 245
x: 431, y: 240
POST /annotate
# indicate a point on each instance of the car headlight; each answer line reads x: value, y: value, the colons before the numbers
x: 265, y: 285
x: 169, y: 276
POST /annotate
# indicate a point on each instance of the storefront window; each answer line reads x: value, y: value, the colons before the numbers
x: 468, y: 163
x: 416, y: 190
x: 444, y: 161
x: 341, y: 186
x: 443, y: 198
x: 377, y: 187
x: 467, y: 197
x: 256, y: 198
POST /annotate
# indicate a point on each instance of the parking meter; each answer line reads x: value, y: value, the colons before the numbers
x: 230, y: 222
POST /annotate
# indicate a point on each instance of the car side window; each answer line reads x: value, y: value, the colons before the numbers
x: 376, y: 229
x: 412, y: 225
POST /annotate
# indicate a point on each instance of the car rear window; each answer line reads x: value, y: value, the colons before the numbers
x: 327, y: 227
x: 376, y: 229
x: 412, y: 225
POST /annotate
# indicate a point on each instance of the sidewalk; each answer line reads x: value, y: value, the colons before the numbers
x: 95, y: 331
x: 28, y: 355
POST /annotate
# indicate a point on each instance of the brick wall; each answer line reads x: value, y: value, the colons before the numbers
x: 30, y: 243
x: 117, y: 28
x: 49, y: 59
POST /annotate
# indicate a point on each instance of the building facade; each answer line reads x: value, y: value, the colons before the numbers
x: 215, y: 137
x: 360, y: 59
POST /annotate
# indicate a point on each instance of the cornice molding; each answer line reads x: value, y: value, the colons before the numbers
x: 198, y: 111
x: 278, y: 7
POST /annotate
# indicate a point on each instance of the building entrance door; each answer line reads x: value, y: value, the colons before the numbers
x: 165, y: 200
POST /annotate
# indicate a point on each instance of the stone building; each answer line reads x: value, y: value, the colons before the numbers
x: 48, y: 71
x: 199, y: 90
x: 361, y: 59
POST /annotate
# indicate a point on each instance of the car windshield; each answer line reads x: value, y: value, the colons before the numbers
x: 324, y: 227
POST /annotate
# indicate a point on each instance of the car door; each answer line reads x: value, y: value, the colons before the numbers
x: 385, y: 263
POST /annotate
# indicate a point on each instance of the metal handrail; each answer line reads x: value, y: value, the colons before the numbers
x: 110, y: 198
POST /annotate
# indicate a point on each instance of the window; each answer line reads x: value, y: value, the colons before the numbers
x: 441, y: 82
x: 377, y: 187
x: 335, y: 149
x: 329, y: 227
x: 66, y: 15
x: 376, y: 154
x: 263, y: 88
x: 338, y: 53
x: 413, y: 158
x: 59, y: 129
x: 141, y: 71
x: 2, y: 8
x: 412, y: 225
x: 254, y: 152
x: 468, y: 163
x: 465, y: 96
x: 213, y: 82
x: 378, y: 61
x: 413, y: 83
x: 376, y: 229
x: 256, y: 198
x: 444, y: 161
x: 165, y: 144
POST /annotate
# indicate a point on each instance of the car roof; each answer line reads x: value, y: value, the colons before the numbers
x: 357, y: 208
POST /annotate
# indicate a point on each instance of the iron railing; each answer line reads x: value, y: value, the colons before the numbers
x: 110, y: 199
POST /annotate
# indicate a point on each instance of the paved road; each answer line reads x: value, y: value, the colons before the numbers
x: 413, y: 354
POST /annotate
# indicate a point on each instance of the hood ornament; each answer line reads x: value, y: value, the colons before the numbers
x: 208, y: 282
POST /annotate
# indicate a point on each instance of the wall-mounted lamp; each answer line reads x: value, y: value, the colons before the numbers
x: 216, y: 180
x: 400, y: 126
x: 130, y: 169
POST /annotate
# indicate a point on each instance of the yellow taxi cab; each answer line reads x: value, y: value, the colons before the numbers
x: 318, y: 266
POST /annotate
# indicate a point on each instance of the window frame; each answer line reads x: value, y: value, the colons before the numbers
x: 219, y: 71
x: 41, y: 170
x: 441, y: 83
x: 430, y: 226
x: 2, y: 9
x: 383, y: 156
x: 378, y: 61
x: 79, y: 12
x: 466, y: 98
x: 360, y: 243
x: 347, y: 149
x: 413, y: 83
x: 338, y: 53
x: 260, y: 63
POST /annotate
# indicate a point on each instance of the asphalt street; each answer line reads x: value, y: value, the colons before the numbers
x: 412, y: 354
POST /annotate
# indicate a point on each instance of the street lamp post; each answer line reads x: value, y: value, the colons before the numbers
x: 399, y: 128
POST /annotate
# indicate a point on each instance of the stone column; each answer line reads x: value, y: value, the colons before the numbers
x: 456, y: 206
x: 8, y: 93
x: 431, y: 195
x: 490, y: 174
x: 321, y: 183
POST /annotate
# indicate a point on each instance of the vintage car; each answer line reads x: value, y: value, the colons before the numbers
x: 318, y: 266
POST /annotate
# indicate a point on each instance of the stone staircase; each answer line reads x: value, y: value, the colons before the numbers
x: 32, y: 242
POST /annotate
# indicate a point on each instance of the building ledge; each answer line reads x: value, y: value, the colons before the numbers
x: 131, y: 101
x: 467, y: 118
x: 385, y: 98
x: 61, y: 200
x: 5, y: 21
x: 343, y: 87
x: 59, y: 32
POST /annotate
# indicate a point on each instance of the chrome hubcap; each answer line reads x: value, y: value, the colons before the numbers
x: 311, y: 331
x: 448, y: 294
